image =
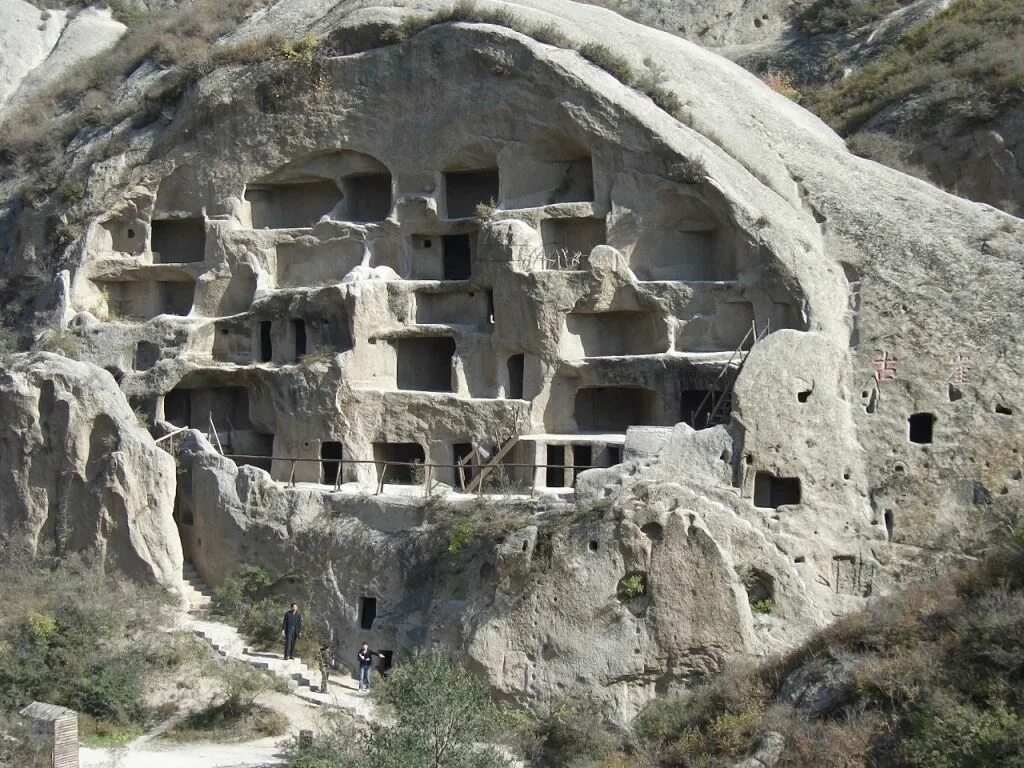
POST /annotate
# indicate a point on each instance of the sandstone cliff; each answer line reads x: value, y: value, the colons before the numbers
x: 538, y: 229
x: 79, y: 474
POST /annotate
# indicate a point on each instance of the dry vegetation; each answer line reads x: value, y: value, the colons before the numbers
x: 971, y: 54
x: 74, y: 636
x: 827, y: 16
x: 933, y: 678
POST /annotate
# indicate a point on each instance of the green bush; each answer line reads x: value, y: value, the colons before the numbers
x: 441, y: 716
x: 765, y: 607
x: 633, y: 586
x: 254, y: 600
x: 462, y: 536
x: 953, y: 735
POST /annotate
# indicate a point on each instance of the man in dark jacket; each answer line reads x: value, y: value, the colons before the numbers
x: 292, y: 626
x: 365, y: 657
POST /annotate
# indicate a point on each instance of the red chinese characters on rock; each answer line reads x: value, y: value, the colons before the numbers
x: 884, y: 364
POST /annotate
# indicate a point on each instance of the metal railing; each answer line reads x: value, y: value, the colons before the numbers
x: 428, y: 468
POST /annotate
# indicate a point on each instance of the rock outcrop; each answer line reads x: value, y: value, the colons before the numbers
x: 38, y: 47
x: 79, y: 475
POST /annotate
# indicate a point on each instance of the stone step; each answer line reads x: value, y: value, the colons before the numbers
x: 299, y: 678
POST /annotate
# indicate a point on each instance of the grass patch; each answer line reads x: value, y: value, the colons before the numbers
x: 103, y: 735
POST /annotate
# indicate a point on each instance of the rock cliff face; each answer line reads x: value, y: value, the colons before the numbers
x: 457, y: 240
x: 79, y: 475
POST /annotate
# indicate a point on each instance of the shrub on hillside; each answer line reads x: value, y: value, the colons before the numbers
x: 232, y: 713
x: 59, y: 342
x: 76, y: 637
x: 441, y: 716
x: 828, y: 16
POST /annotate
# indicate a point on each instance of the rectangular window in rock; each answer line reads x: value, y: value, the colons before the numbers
x: 464, y: 190
x: 266, y: 341
x: 555, y: 474
x: 178, y: 408
x: 921, y: 426
x: 695, y: 407
x: 516, y: 371
x: 425, y: 363
x: 331, y: 455
x: 254, y: 448
x: 299, y: 329
x: 297, y: 205
x: 771, y: 491
x: 452, y: 308
x: 613, y: 334
x: 568, y: 242
x: 395, y: 460
x: 614, y: 409
x: 367, y: 612
x: 146, y: 355
x: 456, y: 257
x: 367, y: 197
x: 178, y: 241
x: 582, y: 459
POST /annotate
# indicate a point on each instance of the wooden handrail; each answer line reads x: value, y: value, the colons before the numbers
x: 178, y: 431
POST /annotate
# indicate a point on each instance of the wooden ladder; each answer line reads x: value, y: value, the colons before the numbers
x: 486, y: 468
x: 721, y: 405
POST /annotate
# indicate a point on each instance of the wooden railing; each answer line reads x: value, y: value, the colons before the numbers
x: 428, y: 469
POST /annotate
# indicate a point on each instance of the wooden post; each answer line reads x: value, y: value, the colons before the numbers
x: 291, y: 476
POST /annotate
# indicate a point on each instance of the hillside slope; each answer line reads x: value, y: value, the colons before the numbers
x: 930, y: 87
x: 932, y: 678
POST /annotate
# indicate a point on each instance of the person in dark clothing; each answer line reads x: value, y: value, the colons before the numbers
x: 326, y: 662
x: 292, y: 627
x: 365, y: 657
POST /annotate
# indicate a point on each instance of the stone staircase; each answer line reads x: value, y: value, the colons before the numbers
x: 302, y: 680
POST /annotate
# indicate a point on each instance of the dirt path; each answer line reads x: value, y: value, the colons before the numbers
x: 150, y: 751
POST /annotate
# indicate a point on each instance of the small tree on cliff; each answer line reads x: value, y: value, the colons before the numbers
x: 443, y: 717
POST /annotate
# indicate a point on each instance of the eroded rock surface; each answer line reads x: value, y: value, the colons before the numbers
x: 79, y: 475
x: 457, y: 240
